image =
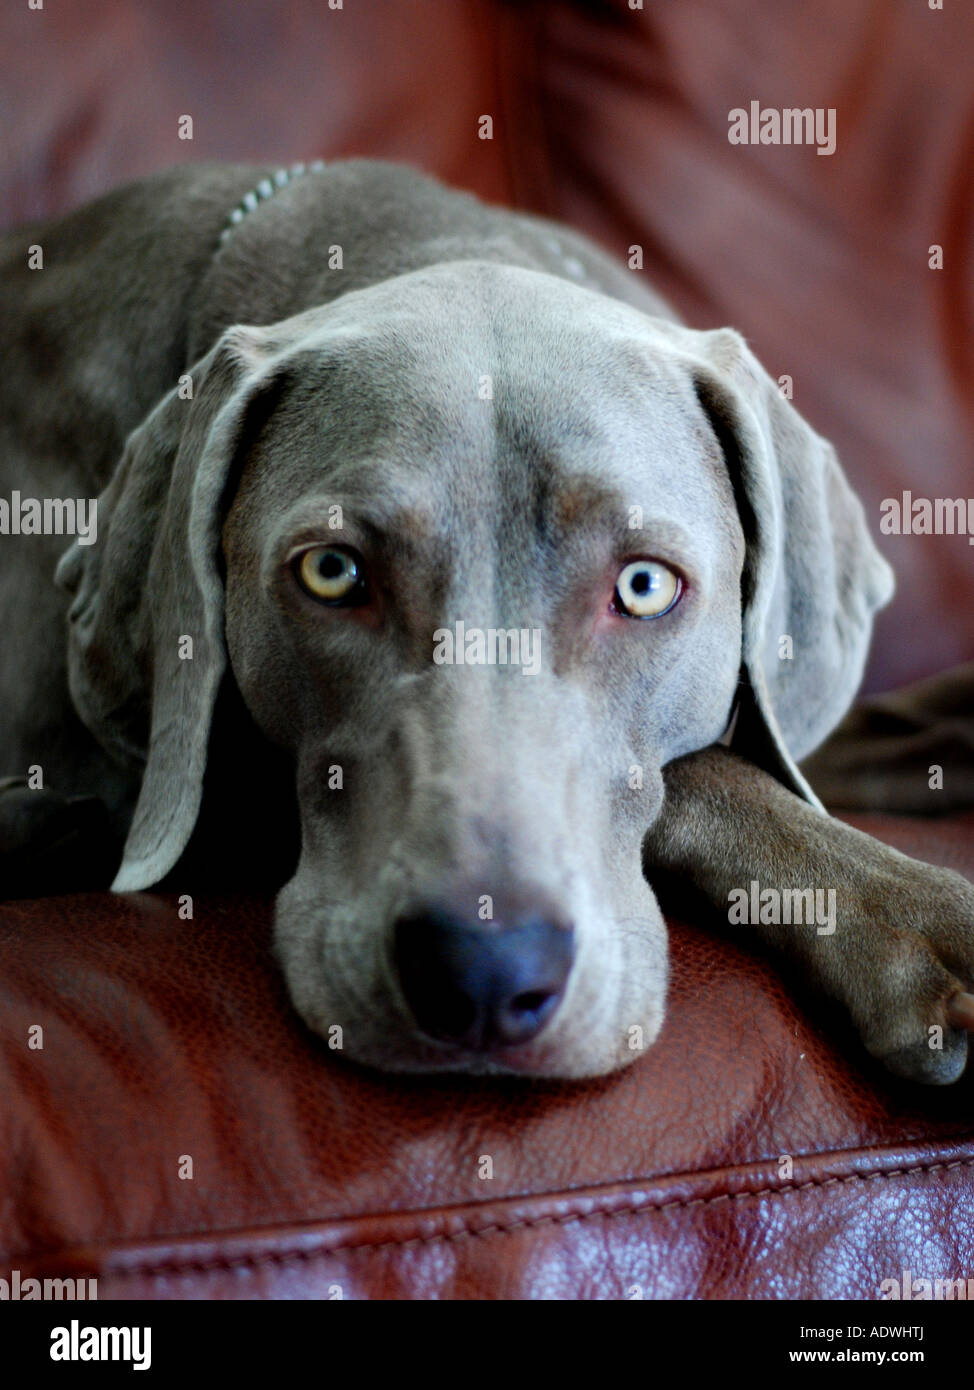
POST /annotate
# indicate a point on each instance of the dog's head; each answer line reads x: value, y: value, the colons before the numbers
x: 495, y: 549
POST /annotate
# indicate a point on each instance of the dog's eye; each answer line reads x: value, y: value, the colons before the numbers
x: 646, y: 589
x: 330, y: 574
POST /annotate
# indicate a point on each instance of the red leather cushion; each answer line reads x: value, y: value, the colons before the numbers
x: 165, y: 1038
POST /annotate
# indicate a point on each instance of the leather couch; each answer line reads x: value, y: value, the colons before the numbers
x: 755, y: 1152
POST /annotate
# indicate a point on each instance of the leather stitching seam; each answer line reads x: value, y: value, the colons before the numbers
x: 251, y: 1263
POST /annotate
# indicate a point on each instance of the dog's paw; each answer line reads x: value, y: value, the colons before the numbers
x: 908, y: 967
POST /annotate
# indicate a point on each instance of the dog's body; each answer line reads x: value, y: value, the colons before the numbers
x: 353, y: 377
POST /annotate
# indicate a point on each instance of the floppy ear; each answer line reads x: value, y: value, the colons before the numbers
x: 812, y: 572
x: 150, y: 583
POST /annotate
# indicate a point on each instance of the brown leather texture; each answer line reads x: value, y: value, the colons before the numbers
x: 166, y: 1038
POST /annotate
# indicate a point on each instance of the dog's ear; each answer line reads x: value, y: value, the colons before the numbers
x: 813, y: 577
x: 146, y: 648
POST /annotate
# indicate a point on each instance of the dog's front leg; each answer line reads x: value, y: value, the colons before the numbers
x: 889, y: 937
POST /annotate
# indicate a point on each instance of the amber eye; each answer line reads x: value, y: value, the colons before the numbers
x: 647, y: 589
x: 331, y: 574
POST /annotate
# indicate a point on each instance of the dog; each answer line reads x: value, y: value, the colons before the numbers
x: 424, y: 559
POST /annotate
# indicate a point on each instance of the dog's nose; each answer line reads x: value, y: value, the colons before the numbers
x: 486, y: 986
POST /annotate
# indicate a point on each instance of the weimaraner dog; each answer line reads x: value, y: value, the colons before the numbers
x: 411, y: 552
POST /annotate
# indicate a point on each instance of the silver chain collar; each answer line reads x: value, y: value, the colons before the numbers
x: 264, y: 190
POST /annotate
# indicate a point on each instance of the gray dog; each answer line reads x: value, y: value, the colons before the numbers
x: 436, y: 568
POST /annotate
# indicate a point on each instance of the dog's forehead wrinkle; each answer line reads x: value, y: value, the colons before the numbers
x: 418, y: 415
x: 383, y: 394
x: 443, y: 320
